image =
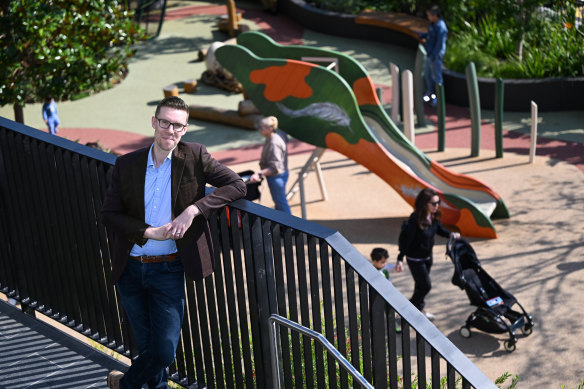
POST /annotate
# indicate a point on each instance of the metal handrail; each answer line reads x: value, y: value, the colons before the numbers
x: 275, y: 348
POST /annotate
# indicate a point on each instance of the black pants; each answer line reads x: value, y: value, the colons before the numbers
x: 421, y: 272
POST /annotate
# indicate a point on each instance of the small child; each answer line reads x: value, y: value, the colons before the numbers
x: 379, y: 257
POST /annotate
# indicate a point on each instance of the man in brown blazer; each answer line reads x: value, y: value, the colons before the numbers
x: 157, y: 210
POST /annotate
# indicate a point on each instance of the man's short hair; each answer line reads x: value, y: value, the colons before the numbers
x: 434, y: 10
x: 379, y: 253
x: 172, y: 102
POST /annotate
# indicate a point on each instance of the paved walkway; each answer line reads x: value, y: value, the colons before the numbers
x: 538, y: 255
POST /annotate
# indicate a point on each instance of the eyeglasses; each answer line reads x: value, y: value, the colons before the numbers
x: 176, y: 127
x: 434, y: 203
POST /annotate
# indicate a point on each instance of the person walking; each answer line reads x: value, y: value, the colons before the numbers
x: 50, y: 115
x: 158, y: 212
x: 435, y: 46
x: 418, y: 242
x: 274, y: 161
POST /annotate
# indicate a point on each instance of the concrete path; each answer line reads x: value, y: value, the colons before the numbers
x: 539, y: 255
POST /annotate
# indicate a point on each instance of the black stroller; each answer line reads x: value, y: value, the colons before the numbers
x: 493, y: 313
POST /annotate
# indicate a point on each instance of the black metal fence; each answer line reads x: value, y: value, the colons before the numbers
x: 55, y: 259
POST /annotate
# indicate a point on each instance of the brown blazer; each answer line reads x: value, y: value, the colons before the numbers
x: 192, y: 168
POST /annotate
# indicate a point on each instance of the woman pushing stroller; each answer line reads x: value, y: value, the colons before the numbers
x: 417, y: 241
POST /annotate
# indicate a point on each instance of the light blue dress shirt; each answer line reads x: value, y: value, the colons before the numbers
x: 157, y: 204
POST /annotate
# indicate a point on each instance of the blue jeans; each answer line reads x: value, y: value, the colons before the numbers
x: 433, y: 74
x: 153, y: 296
x: 277, y: 185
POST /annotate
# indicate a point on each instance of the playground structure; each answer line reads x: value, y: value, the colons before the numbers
x: 343, y: 112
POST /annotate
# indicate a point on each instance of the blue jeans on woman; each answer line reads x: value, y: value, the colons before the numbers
x: 277, y: 185
x: 153, y: 297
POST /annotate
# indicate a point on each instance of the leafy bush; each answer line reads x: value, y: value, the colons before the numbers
x: 506, y: 38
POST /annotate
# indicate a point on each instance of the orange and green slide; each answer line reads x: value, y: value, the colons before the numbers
x: 338, y: 108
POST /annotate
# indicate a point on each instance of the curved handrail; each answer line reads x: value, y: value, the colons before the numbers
x: 277, y: 319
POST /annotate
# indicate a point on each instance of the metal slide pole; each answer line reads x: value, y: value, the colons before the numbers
x: 419, y: 84
x: 499, y: 104
x: 395, y: 89
x: 475, y: 109
x: 441, y: 112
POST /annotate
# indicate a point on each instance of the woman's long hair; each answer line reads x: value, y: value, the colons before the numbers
x: 421, y: 207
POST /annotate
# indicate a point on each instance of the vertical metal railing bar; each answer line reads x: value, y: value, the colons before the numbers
x: 235, y: 354
x: 48, y: 162
x: 353, y: 324
x: 289, y: 239
x: 260, y: 231
x: 317, y: 337
x: 218, y: 320
x: 435, y: 358
x: 81, y: 249
x: 304, y: 306
x: 392, y: 346
x: 282, y: 234
x: 327, y: 302
x: 365, y: 313
x: 8, y: 282
x: 111, y: 308
x: 421, y: 359
x: 201, y: 303
x: 340, y: 314
x: 236, y: 219
x: 69, y: 269
x: 93, y: 257
x: 43, y: 230
x: 23, y: 248
x: 406, y: 355
x: 315, y: 285
x: 192, y: 321
x: 450, y: 376
x: 378, y: 340
x: 247, y: 221
x: 184, y: 354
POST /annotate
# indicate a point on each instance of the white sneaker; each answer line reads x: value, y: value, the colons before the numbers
x: 429, y: 316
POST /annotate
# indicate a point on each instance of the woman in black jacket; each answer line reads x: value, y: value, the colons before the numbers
x: 418, y: 242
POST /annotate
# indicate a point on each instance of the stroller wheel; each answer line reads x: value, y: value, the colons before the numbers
x: 527, y: 329
x: 510, y: 346
x: 465, y: 332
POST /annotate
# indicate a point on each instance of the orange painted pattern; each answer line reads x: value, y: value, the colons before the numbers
x: 377, y: 160
x: 284, y: 81
x: 364, y: 91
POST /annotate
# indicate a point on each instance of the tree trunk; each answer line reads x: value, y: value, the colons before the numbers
x: 18, y: 114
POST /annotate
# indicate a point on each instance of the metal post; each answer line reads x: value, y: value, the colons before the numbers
x: 499, y: 97
x: 441, y: 112
x: 475, y: 109
x: 394, y: 92
x: 408, y: 99
x: 533, y: 132
x: 277, y: 377
x: 419, y: 84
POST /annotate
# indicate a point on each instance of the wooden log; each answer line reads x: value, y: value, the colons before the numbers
x: 170, y: 90
x: 224, y: 116
x: 190, y: 85
x: 247, y: 107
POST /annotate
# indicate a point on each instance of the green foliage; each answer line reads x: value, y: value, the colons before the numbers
x: 62, y: 48
x: 506, y: 38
